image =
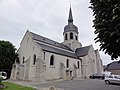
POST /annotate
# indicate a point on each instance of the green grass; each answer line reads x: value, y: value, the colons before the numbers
x: 11, y: 86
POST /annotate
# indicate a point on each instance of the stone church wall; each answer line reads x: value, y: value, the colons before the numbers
x: 53, y: 72
x: 27, y: 50
x: 42, y: 70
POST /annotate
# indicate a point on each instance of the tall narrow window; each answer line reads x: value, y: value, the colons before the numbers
x: 66, y: 36
x: 52, y: 60
x: 78, y: 64
x: 71, y: 35
x: 23, y: 59
x: 67, y: 63
x: 76, y: 37
x: 44, y: 56
x: 34, y: 59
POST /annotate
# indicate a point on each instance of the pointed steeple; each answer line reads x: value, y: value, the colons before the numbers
x: 70, y: 18
x: 70, y: 27
x: 71, y: 33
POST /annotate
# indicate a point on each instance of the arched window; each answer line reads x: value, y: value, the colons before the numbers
x: 67, y: 63
x: 23, y: 59
x: 34, y: 59
x: 78, y: 64
x: 66, y: 36
x: 18, y: 60
x: 76, y: 37
x: 52, y: 60
x: 44, y: 56
x: 71, y: 35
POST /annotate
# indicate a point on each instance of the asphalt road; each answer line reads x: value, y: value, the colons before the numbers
x: 88, y: 84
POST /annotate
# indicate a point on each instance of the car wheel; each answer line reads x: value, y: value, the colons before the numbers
x: 90, y: 77
x: 101, y: 77
x: 107, y: 82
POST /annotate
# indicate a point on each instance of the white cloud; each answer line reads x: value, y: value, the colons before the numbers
x: 47, y: 18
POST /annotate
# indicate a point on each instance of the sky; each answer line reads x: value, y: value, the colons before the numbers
x: 47, y: 18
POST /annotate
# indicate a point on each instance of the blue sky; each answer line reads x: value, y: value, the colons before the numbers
x: 47, y: 18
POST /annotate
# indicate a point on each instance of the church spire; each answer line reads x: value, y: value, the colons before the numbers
x: 70, y: 27
x: 70, y: 18
x: 71, y: 34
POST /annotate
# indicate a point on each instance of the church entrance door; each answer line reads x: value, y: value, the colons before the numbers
x: 71, y: 74
x: 67, y: 74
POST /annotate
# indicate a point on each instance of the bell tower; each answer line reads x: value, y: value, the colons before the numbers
x: 71, y: 34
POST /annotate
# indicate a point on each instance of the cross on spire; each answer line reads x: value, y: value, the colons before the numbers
x: 70, y: 3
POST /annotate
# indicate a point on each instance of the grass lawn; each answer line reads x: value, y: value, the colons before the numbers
x: 11, y: 86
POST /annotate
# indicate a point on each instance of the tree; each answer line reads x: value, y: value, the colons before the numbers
x: 7, y: 56
x: 107, y: 25
x: 1, y: 85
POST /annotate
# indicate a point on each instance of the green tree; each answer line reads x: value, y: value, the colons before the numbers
x: 1, y: 79
x: 7, y: 56
x: 107, y: 25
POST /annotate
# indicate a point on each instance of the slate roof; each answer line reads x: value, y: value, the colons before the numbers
x: 58, y: 48
x: 113, y: 66
x: 82, y: 51
x: 70, y: 27
x: 49, y: 41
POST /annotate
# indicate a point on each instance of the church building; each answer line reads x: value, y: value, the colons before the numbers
x: 42, y: 59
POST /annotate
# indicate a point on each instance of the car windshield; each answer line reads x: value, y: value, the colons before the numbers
x: 110, y: 76
x: 117, y: 77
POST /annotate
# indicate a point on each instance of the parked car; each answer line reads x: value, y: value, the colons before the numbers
x: 97, y: 75
x: 115, y: 79
x: 3, y: 74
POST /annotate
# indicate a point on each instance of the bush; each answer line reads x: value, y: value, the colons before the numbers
x: 1, y: 79
x: 1, y: 85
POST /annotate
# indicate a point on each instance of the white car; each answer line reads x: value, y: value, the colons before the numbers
x: 112, y: 79
x: 3, y: 74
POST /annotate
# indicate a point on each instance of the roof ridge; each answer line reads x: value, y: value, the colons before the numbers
x: 43, y: 36
x: 40, y: 38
